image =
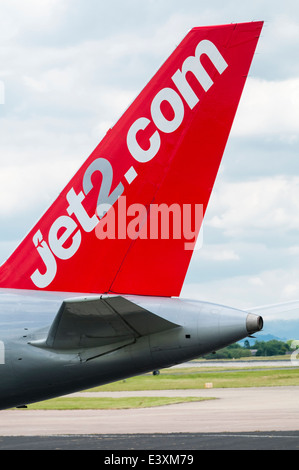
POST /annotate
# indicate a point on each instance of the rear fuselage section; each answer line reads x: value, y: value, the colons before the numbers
x: 29, y: 373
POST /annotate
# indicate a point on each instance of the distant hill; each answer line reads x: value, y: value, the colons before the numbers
x: 283, y: 329
x: 261, y: 337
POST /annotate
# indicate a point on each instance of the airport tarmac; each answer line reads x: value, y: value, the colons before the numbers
x: 233, y: 410
x: 156, y: 448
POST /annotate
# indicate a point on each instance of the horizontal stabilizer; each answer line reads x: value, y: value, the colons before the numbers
x: 273, y: 309
x: 100, y: 321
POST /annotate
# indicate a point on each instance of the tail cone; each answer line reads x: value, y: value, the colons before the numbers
x: 254, y: 323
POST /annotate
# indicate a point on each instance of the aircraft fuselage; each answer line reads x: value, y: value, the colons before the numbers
x: 31, y: 371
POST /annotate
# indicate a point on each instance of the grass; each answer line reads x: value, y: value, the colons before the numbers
x: 81, y: 403
x: 196, y: 380
x: 250, y: 358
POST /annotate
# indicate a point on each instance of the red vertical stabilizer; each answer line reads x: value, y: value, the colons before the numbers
x: 158, y: 163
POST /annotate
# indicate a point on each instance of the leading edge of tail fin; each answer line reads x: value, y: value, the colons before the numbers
x: 120, y: 225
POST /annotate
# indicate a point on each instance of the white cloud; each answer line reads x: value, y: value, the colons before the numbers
x: 30, y: 187
x: 249, y: 207
x: 247, y: 291
x: 256, y: 281
x: 19, y: 18
x: 291, y: 290
x: 269, y: 109
x: 293, y: 250
x: 218, y: 253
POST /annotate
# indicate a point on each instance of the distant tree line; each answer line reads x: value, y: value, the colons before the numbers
x: 260, y: 348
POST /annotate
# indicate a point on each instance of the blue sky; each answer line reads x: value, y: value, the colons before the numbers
x: 71, y: 67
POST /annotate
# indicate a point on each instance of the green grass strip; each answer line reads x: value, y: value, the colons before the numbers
x: 89, y: 403
x: 220, y: 379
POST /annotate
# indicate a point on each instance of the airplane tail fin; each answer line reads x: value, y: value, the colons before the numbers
x: 128, y: 220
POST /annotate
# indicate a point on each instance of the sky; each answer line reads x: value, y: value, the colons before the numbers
x: 70, y: 68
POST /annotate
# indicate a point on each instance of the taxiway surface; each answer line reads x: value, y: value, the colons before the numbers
x: 233, y: 410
